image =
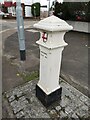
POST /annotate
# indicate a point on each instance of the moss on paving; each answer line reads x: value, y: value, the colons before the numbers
x: 30, y: 76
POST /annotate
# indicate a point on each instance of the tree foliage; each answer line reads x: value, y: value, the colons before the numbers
x: 70, y: 10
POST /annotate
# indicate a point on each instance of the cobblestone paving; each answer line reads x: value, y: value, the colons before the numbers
x: 24, y: 104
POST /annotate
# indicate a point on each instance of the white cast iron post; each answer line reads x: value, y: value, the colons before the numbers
x: 51, y: 45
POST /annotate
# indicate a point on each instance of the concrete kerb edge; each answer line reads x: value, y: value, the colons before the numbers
x: 78, y: 86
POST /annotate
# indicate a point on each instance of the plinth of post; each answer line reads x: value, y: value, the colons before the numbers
x: 51, y: 44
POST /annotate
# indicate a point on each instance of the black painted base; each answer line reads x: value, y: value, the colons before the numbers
x: 47, y: 100
x: 22, y: 55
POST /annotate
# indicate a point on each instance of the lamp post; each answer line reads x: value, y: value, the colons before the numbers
x: 48, y: 8
x: 20, y: 25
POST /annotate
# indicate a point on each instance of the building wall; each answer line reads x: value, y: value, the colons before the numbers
x: 27, y: 9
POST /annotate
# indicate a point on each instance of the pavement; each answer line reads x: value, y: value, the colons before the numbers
x: 22, y: 102
x: 17, y: 78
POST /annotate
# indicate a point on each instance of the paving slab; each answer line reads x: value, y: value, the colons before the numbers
x: 24, y: 104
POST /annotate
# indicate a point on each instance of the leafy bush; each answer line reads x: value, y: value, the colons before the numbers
x: 62, y: 11
x: 35, y: 9
x: 78, y: 11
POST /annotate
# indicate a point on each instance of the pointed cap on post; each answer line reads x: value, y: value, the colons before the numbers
x: 53, y: 23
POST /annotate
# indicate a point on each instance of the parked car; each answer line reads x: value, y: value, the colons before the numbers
x: 2, y: 13
x: 6, y: 15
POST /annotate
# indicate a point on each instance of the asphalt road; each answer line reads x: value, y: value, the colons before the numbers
x: 11, y: 24
x: 7, y: 24
x: 10, y: 67
x: 75, y: 59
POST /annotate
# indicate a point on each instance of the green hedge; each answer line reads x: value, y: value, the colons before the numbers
x: 71, y: 11
x: 35, y: 9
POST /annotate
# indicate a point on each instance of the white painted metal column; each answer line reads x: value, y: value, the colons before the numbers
x: 51, y: 45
